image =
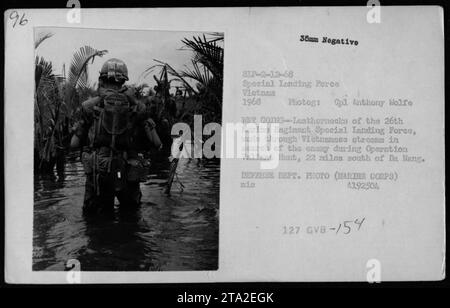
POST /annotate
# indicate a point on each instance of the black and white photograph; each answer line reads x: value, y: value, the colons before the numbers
x: 113, y: 190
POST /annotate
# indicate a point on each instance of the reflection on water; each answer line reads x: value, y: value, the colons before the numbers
x: 176, y: 232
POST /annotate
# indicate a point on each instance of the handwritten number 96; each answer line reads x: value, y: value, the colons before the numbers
x: 21, y: 20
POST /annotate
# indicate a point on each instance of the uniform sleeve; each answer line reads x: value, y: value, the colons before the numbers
x: 81, y: 127
x: 148, y: 125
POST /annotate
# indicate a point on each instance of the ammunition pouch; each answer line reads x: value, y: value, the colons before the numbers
x: 137, y: 170
x: 116, y: 167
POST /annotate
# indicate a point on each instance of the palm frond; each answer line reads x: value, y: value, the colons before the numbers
x: 78, y: 76
x: 78, y: 71
x: 53, y: 101
x: 206, y: 71
x: 40, y: 37
x: 43, y: 71
x: 160, y: 65
x: 216, y: 36
x: 208, y: 53
x: 201, y: 75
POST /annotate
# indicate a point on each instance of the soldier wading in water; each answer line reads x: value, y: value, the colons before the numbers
x: 113, y: 129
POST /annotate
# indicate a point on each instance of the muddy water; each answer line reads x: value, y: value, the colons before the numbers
x: 167, y: 233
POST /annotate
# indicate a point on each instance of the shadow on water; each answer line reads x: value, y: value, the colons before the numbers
x: 176, y: 232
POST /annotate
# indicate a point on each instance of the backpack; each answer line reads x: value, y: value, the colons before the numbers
x: 114, y: 120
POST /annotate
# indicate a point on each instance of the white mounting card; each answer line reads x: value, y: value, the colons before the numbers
x: 349, y: 185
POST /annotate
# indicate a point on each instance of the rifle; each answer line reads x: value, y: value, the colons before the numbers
x: 177, y: 147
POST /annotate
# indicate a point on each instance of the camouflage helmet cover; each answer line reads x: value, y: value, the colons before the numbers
x: 114, y: 68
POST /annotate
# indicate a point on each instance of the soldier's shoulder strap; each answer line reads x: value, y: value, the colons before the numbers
x: 90, y: 104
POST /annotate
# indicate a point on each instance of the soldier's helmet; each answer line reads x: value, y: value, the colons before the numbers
x: 115, y: 69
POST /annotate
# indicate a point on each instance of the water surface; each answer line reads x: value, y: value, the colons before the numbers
x: 176, y: 232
